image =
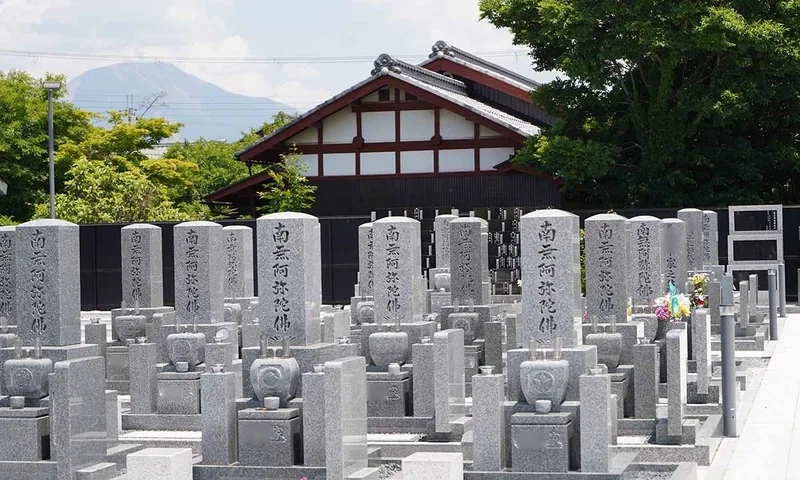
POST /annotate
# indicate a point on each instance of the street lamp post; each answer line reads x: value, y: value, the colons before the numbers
x: 51, y: 87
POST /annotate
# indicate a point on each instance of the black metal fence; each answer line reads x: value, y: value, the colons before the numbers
x: 101, y: 282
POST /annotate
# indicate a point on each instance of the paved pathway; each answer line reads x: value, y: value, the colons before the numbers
x: 768, y: 446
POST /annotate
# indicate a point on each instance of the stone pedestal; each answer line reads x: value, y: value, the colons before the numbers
x: 488, y: 423
x: 118, y: 369
x: 95, y: 333
x: 388, y: 395
x: 596, y: 423
x: 434, y: 466
x: 144, y: 381
x: 25, y: 434
x: 540, y: 442
x: 620, y: 386
x: 179, y: 393
x: 166, y: 463
x: 219, y: 418
x: 646, y: 379
x: 269, y: 437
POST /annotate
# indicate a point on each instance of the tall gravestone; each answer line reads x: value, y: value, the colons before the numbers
x: 547, y: 277
x: 576, y: 263
x: 48, y: 289
x: 644, y: 262
x: 199, y: 272
x: 289, y: 277
x: 366, y: 257
x: 693, y: 218
x: 606, y: 286
x: 142, y: 272
x: 395, y: 268
x: 465, y: 261
x: 674, y: 253
x: 710, y: 238
x: 238, y: 244
x: 8, y: 273
x: 441, y: 230
x: 345, y: 417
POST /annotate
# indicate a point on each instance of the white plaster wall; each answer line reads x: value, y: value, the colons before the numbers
x: 377, y: 163
x: 372, y: 97
x: 492, y: 156
x: 339, y: 127
x: 377, y: 126
x: 457, y: 160
x: 489, y: 133
x: 455, y: 127
x: 416, y: 125
x: 311, y: 164
x: 416, y: 162
x: 306, y: 137
x: 334, y: 164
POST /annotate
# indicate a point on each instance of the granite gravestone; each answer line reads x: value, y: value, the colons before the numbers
x: 606, y: 292
x: 8, y: 273
x: 547, y: 272
x: 238, y: 244
x: 693, y: 218
x: 465, y: 261
x: 366, y: 257
x: 289, y: 277
x: 441, y: 230
x: 345, y: 417
x: 395, y: 268
x: 48, y: 293
x: 142, y: 272
x: 674, y: 253
x: 645, y: 264
x: 199, y: 291
x: 710, y: 238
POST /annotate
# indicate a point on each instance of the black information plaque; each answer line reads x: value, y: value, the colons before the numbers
x: 755, y: 250
x: 755, y: 221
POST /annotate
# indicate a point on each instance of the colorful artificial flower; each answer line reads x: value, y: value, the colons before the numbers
x: 673, y: 306
x: 699, y: 295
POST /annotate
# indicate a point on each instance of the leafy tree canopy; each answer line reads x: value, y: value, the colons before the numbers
x: 665, y: 103
x: 289, y: 190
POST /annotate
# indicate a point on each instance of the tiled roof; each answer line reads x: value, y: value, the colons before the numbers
x: 442, y: 49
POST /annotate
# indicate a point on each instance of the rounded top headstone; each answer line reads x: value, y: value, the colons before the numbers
x: 690, y: 210
x: 287, y: 216
x: 606, y: 217
x: 396, y: 220
x: 48, y: 222
x: 672, y: 221
x: 644, y: 218
x: 140, y: 226
x: 474, y: 220
x: 446, y: 216
x: 199, y: 223
x: 237, y: 227
x: 548, y: 213
x: 365, y: 225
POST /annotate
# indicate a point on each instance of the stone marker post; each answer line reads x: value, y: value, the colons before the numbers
x: 199, y: 291
x: 8, y: 273
x: 218, y: 417
x: 345, y: 417
x: 289, y: 277
x: 595, y: 422
x: 606, y: 265
x: 465, y: 261
x: 710, y: 238
x: 644, y: 262
x: 366, y: 256
x: 238, y: 244
x: 142, y: 272
x: 693, y: 218
x: 547, y: 269
x: 395, y: 268
x: 674, y: 253
x: 489, y: 422
x: 701, y: 346
x: 676, y: 380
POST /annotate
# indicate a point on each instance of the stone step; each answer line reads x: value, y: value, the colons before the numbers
x: 101, y: 471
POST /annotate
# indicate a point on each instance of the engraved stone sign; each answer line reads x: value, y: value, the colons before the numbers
x: 674, y: 253
x: 48, y: 288
x: 693, y: 218
x: 199, y: 272
x: 710, y: 238
x: 395, y: 268
x: 366, y: 260
x: 606, y: 288
x: 289, y: 277
x: 644, y: 262
x: 548, y: 276
x: 142, y: 277
x: 465, y: 261
x: 441, y: 230
x: 238, y: 245
x: 8, y: 273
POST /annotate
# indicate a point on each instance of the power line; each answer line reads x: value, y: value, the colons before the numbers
x: 254, y: 59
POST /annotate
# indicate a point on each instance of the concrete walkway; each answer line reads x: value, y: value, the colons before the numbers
x: 768, y: 446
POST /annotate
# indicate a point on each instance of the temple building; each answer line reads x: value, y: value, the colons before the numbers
x: 440, y: 134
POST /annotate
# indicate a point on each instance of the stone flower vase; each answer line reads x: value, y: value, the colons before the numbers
x: 467, y: 321
x: 27, y: 377
x: 388, y: 347
x: 544, y: 379
x: 186, y: 347
x: 275, y: 376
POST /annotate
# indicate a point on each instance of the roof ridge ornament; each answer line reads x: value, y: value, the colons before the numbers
x: 440, y: 49
x: 385, y: 63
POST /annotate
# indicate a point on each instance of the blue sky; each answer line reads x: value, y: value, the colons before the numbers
x: 242, y: 28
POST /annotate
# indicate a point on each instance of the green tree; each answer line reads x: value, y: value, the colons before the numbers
x: 665, y: 103
x: 289, y: 189
x: 95, y: 192
x: 23, y: 140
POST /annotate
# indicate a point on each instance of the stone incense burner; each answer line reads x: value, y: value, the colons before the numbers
x: 28, y: 377
x: 186, y: 348
x: 274, y: 376
x: 129, y: 327
x: 544, y: 381
x: 609, y: 344
x: 389, y: 346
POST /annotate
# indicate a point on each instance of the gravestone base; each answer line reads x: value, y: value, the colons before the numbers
x: 157, y: 421
x: 270, y: 437
x: 693, y: 397
x: 440, y: 300
x: 179, y: 393
x: 354, y: 301
x: 55, y: 354
x: 26, y: 434
x: 688, y: 437
x: 226, y: 472
x: 483, y: 311
x: 511, y: 408
x: 389, y: 395
x: 415, y: 333
x: 29, y: 470
x: 621, y: 383
x: 306, y: 355
x: 540, y: 442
